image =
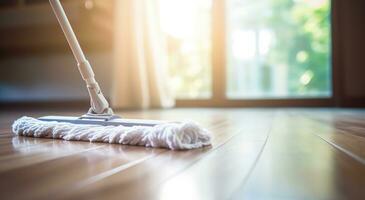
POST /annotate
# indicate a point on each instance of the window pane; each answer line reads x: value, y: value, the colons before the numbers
x: 187, y: 28
x: 278, y: 48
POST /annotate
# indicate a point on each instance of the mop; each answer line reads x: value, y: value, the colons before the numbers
x: 100, y: 124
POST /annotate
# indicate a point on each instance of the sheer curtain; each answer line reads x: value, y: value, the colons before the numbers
x: 140, y: 74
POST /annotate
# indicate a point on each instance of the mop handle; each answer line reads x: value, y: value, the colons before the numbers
x: 99, y: 104
x: 68, y: 31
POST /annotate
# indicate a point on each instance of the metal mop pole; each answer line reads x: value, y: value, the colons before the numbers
x: 99, y: 105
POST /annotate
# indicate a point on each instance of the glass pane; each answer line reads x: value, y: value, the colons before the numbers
x: 278, y: 48
x: 187, y: 28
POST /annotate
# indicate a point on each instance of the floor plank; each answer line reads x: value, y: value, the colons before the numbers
x: 296, y: 164
x: 174, y: 163
x: 256, y: 154
x: 342, y: 132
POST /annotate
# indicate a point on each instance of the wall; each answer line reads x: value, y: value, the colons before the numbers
x: 349, y: 52
x: 351, y: 27
x: 52, y: 77
x: 36, y: 63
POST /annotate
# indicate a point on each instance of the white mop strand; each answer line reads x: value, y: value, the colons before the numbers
x: 187, y: 135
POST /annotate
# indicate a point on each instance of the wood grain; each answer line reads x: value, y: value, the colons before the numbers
x: 256, y: 154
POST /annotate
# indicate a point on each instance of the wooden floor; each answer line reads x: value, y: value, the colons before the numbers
x: 256, y: 154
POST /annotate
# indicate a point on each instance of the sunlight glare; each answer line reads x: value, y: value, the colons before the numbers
x: 180, y: 188
x: 243, y: 44
x: 177, y: 17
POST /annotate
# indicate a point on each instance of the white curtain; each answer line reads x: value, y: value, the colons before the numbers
x: 139, y: 57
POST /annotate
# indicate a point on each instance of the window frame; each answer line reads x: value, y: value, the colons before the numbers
x: 219, y: 98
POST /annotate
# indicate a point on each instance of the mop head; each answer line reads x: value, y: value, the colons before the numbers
x: 176, y: 136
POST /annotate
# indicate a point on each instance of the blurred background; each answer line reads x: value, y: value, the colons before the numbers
x: 36, y: 63
x: 215, y: 52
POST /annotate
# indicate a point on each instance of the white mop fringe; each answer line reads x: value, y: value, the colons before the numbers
x: 175, y: 136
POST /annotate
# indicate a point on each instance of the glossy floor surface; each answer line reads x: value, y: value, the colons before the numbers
x: 256, y: 154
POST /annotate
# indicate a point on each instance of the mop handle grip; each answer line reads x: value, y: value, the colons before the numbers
x: 99, y: 104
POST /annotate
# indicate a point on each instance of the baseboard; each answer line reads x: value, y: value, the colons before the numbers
x: 353, y: 102
x: 44, y: 105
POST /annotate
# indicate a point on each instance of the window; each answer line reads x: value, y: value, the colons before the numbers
x: 278, y: 48
x: 272, y: 49
x: 187, y: 26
